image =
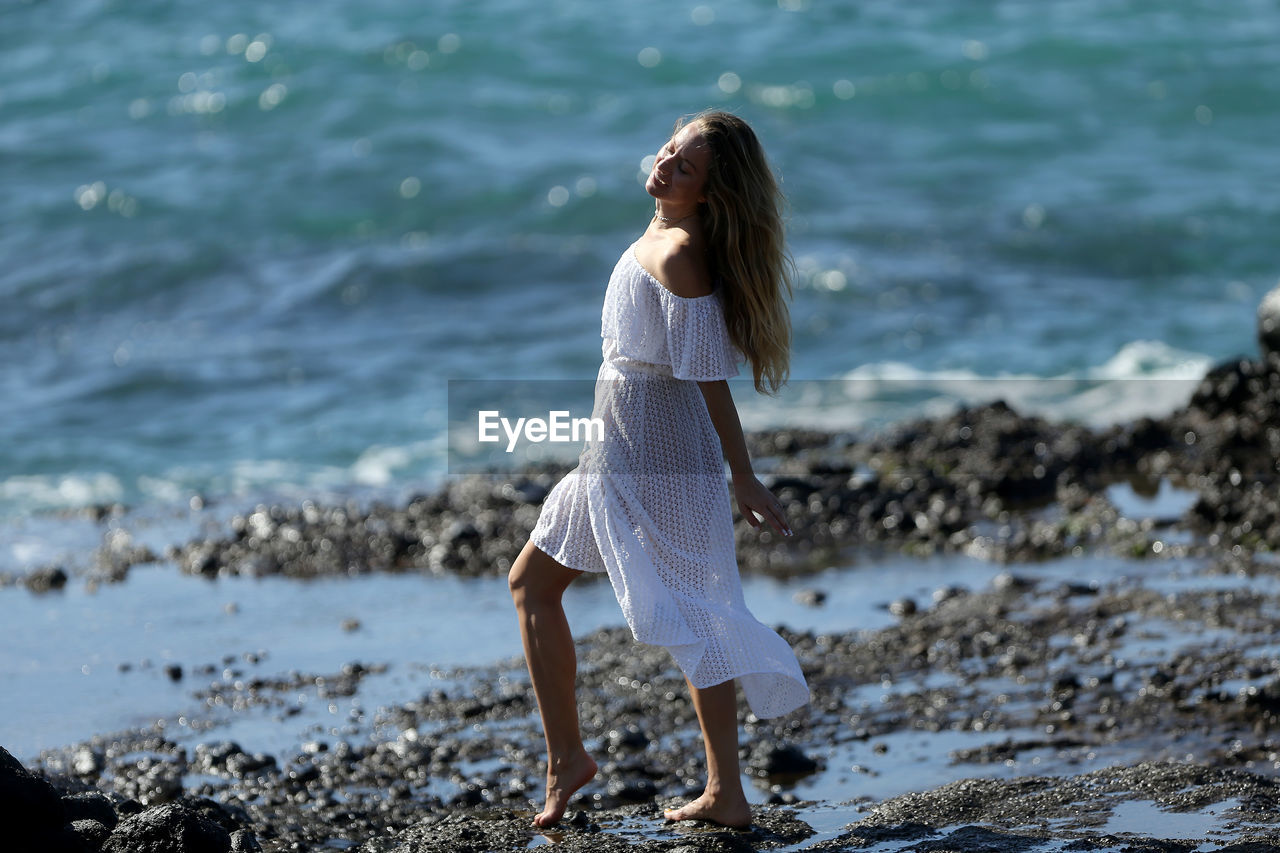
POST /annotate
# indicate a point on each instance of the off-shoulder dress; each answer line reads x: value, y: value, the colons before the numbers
x: 649, y: 504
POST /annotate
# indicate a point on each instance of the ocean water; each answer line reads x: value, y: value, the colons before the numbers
x: 247, y: 245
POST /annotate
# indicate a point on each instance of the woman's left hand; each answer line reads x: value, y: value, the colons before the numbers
x: 755, y: 502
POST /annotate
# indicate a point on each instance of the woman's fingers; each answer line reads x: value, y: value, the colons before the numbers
x: 759, y: 505
x: 772, y: 512
x: 780, y: 521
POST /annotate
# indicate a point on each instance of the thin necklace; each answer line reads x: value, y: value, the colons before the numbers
x: 668, y: 221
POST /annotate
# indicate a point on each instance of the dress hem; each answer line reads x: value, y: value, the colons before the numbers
x: 556, y: 557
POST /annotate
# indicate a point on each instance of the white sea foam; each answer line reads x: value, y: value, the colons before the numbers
x: 378, y: 465
x: 378, y: 468
x: 1152, y: 360
x: 60, y: 491
x: 1142, y: 379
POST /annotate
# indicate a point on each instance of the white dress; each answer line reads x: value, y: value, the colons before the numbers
x: 649, y: 504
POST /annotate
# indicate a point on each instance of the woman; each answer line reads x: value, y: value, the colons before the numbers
x: 648, y: 504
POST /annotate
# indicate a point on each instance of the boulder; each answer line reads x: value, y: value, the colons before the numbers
x: 90, y: 805
x: 244, y: 841
x: 169, y: 828
x: 31, y: 812
x: 91, y: 833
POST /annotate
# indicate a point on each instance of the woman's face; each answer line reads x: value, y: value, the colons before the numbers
x: 680, y: 170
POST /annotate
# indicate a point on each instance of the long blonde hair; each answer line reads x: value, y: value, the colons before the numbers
x: 742, y: 218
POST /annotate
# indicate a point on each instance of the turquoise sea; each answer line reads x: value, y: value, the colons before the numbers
x: 246, y: 246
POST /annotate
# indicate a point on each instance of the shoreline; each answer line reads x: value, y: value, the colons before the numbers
x: 984, y: 481
x: 1157, y: 686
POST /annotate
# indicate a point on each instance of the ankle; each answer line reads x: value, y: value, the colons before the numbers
x: 569, y: 759
x: 566, y: 752
x: 724, y: 791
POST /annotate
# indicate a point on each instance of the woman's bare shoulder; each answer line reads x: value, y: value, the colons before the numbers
x: 678, y: 265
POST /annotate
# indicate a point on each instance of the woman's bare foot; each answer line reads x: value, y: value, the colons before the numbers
x: 563, y: 781
x: 733, y: 812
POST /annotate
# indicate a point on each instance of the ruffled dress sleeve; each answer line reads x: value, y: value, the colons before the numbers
x: 698, y: 339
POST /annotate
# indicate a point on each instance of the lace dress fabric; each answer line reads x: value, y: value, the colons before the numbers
x: 649, y: 504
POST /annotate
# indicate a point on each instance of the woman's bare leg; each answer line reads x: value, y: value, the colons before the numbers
x: 537, y: 585
x: 723, y: 801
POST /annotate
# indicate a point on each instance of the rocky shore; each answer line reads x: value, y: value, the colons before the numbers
x: 985, y: 481
x: 1132, y: 712
x: 1033, y: 672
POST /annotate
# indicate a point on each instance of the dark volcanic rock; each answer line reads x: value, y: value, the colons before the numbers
x: 1228, y: 388
x: 1018, y: 810
x: 1269, y: 328
x: 1265, y: 701
x: 214, y: 812
x: 90, y: 805
x: 810, y: 597
x: 485, y: 830
x: 168, y: 829
x: 785, y: 761
x: 243, y: 841
x: 46, y: 580
x: 31, y: 814
x: 902, y: 607
x: 1230, y: 433
x: 92, y: 834
x: 1045, y: 676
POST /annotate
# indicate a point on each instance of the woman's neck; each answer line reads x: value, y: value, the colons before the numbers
x: 668, y: 216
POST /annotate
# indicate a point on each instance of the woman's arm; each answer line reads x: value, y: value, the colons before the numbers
x: 754, y: 500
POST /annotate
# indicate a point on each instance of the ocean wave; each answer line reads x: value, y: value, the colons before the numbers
x: 42, y: 492
x: 1142, y: 379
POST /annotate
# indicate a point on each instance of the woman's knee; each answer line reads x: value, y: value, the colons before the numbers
x: 518, y: 576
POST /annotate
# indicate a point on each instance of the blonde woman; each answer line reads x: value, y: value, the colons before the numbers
x: 702, y: 289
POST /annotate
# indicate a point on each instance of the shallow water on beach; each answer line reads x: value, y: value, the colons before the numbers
x: 829, y: 820
x: 91, y: 660
x: 65, y: 649
x: 87, y: 660
x: 1138, y: 816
